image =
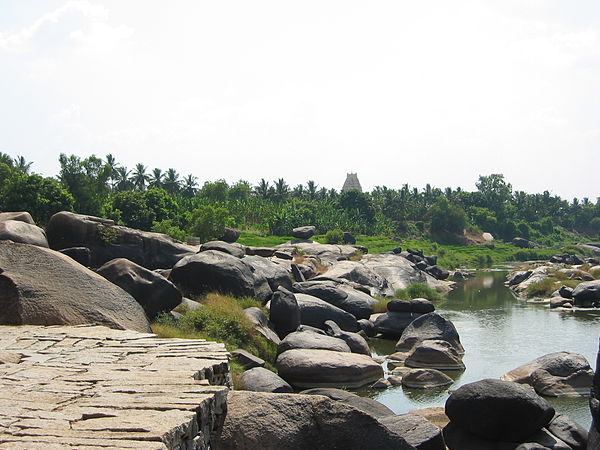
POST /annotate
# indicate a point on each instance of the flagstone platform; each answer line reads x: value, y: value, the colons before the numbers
x: 91, y: 387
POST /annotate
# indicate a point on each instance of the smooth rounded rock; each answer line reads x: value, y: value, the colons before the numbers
x: 429, y: 326
x: 284, y: 312
x: 434, y: 354
x: 232, y: 249
x: 315, y: 312
x: 260, y: 379
x: 22, y: 232
x: 426, y: 379
x: 393, y: 324
x: 310, y: 340
x: 418, y: 431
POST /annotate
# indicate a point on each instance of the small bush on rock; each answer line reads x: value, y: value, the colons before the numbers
x: 334, y: 237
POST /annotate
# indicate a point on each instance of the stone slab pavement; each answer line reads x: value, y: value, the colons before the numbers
x: 92, y: 387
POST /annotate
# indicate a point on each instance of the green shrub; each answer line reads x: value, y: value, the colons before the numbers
x: 334, y: 236
x: 166, y: 227
x: 418, y: 290
x: 207, y: 222
x: 543, y: 288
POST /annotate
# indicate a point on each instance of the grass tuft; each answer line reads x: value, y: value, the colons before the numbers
x: 418, y: 290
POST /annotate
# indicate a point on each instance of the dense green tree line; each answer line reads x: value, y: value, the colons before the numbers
x: 167, y: 202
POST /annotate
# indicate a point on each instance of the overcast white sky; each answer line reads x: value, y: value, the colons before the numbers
x: 401, y: 92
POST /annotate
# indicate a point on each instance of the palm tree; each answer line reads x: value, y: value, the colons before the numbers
x: 21, y: 164
x: 155, y: 179
x: 140, y: 178
x: 171, y: 182
x: 111, y: 165
x: 6, y: 159
x: 311, y: 189
x: 190, y: 184
x: 282, y: 189
x: 122, y: 181
x: 262, y: 189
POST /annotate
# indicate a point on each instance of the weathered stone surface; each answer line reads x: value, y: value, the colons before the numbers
x: 246, y: 359
x: 258, y: 421
x: 365, y: 404
x: 324, y: 368
x: 416, y: 305
x: 232, y: 249
x: 230, y: 235
x: 155, y: 293
x: 22, y: 232
x: 416, y: 430
x: 429, y: 326
x: 305, y: 232
x: 434, y: 354
x: 213, y: 271
x: 519, y: 277
x: 587, y: 294
x: 95, y: 387
x: 264, y: 252
x: 426, y: 379
x: 39, y: 286
x: 568, y: 431
x: 82, y: 255
x: 260, y: 379
x: 21, y: 216
x: 358, y: 272
x: 262, y: 324
x: 393, y: 324
x: 457, y: 438
x: 311, y: 340
x: 355, y: 341
x: 498, y: 410
x: 108, y: 241
x: 275, y: 274
x: 594, y: 435
x: 315, y: 312
x: 284, y: 312
x: 560, y: 374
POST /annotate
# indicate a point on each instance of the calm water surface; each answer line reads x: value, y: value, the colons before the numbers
x: 500, y: 333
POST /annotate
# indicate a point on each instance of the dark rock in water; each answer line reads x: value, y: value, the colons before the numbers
x: 417, y: 430
x: 587, y: 294
x: 365, y: 404
x: 230, y: 235
x: 59, y: 291
x: 262, y: 324
x: 522, y: 243
x: 297, y: 274
x: 429, y: 326
x: 426, y: 379
x: 259, y: 420
x: 594, y: 435
x: 324, y: 368
x: 344, y: 297
x: 367, y: 327
x: 437, y: 272
x: 568, y: 431
x: 236, y: 250
x: 498, y: 410
x: 560, y: 374
x: 155, y: 293
x: 80, y: 254
x: 21, y: 216
x: 397, y: 305
x: 565, y: 292
x: 457, y: 438
x: 355, y: 341
x: 417, y: 305
x: 519, y: 277
x: 284, y: 312
x: 22, y: 232
x: 349, y: 239
x: 246, y: 359
x: 311, y: 340
x: 260, y: 379
x: 315, y: 312
x: 557, y: 302
x: 305, y: 232
x: 211, y: 271
x: 434, y: 354
x: 392, y: 324
x: 107, y: 241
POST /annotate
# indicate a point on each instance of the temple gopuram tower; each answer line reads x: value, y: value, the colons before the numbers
x: 351, y: 183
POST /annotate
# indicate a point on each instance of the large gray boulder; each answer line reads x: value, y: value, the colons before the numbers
x: 434, y: 354
x: 275, y: 274
x: 426, y: 379
x: 155, y: 293
x: 568, y: 431
x: 39, y: 286
x: 284, y: 312
x: 262, y: 324
x: 265, y: 421
x: 429, y: 326
x: 305, y: 232
x: 324, y: 368
x: 369, y: 406
x: 358, y: 272
x: 416, y: 430
x: 315, y: 312
x: 232, y: 249
x: 107, y: 241
x: 22, y: 232
x: 355, y: 341
x: 311, y: 340
x: 392, y: 324
x: 260, y: 379
x: 357, y: 303
x: 587, y: 294
x: 560, y: 374
x: 211, y: 271
x: 22, y: 216
x: 498, y: 410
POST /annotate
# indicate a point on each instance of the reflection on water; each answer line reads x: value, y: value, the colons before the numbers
x: 500, y: 333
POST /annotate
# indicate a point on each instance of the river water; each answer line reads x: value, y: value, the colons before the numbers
x: 499, y: 333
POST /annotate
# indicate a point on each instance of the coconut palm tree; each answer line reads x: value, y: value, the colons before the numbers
x: 190, y: 184
x: 262, y: 189
x: 140, y: 178
x: 21, y: 164
x: 122, y: 181
x: 282, y: 190
x: 155, y: 179
x: 171, y: 182
x: 311, y: 189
